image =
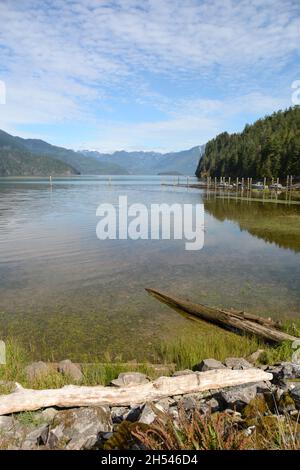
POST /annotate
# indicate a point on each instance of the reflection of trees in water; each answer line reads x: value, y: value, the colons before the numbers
x: 272, y: 223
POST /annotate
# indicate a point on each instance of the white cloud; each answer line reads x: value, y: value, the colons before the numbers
x: 68, y: 60
x: 189, y: 122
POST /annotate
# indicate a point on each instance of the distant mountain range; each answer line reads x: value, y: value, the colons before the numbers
x: 152, y: 163
x: 34, y: 157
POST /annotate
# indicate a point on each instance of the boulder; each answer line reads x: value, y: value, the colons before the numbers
x: 238, y: 397
x: 209, y: 406
x: 36, y: 438
x: 208, y: 364
x: 237, y: 363
x: 165, y: 403
x: 47, y: 415
x: 37, y: 371
x: 188, y: 403
x: 283, y: 372
x: 295, y: 394
x: 71, y: 370
x: 255, y: 356
x: 286, y: 403
x: 7, y: 423
x: 133, y: 413
x: 149, y: 413
x: 79, y: 428
x: 119, y: 414
x: 122, y: 413
x: 128, y: 379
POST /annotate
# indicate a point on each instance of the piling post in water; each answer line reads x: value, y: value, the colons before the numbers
x: 50, y: 180
x: 265, y: 181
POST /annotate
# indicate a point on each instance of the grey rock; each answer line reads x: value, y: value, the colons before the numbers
x: 209, y: 364
x: 173, y: 412
x: 209, y: 406
x: 122, y: 413
x: 188, y: 403
x: 119, y: 413
x: 48, y: 414
x: 79, y: 428
x: 238, y: 397
x: 291, y: 384
x: 37, y: 370
x: 213, y: 405
x: 255, y: 356
x: 287, y: 370
x: 69, y: 369
x: 165, y: 403
x: 295, y: 394
x: 133, y: 413
x: 237, y: 363
x: 149, y: 413
x: 278, y: 375
x: 7, y: 423
x: 286, y: 403
x: 128, y: 379
x: 296, y: 371
x: 36, y: 438
x: 265, y: 387
x: 178, y: 373
x: 283, y: 372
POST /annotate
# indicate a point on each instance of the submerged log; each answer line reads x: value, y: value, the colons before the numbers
x: 71, y: 395
x: 229, y: 319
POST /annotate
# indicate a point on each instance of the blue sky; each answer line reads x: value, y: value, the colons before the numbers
x: 157, y: 74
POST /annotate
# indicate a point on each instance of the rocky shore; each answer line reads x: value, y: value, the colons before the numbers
x: 97, y: 427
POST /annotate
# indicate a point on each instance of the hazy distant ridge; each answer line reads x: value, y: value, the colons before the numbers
x: 184, y: 162
x: 35, y: 157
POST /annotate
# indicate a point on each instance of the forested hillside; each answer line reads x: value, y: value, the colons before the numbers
x: 86, y: 165
x: 16, y: 160
x: 268, y: 148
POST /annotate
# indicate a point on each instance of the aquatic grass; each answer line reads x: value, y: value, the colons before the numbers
x: 186, y: 352
x: 93, y: 374
x: 103, y: 374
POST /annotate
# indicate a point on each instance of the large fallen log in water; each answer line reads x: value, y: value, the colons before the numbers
x: 229, y: 319
x: 71, y: 395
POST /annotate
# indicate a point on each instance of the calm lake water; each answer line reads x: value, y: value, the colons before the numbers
x: 69, y: 294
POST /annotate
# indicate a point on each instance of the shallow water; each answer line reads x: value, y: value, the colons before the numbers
x: 69, y: 294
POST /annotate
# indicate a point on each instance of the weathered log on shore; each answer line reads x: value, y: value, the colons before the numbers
x: 229, y: 319
x: 72, y: 396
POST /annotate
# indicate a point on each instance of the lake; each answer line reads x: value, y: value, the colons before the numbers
x: 65, y: 293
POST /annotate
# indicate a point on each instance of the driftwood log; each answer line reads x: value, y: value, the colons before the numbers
x: 71, y: 395
x: 229, y: 319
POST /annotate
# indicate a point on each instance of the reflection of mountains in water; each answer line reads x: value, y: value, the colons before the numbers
x: 274, y: 224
